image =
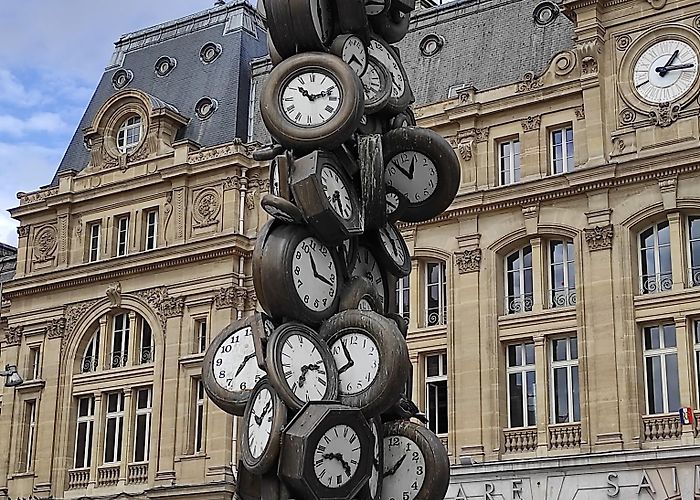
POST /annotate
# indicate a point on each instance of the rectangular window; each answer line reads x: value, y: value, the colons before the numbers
x: 142, y: 425
x: 29, y: 434
x: 435, y: 294
x: 94, y: 251
x: 403, y: 296
x: 562, y: 150
x: 120, y: 340
x: 35, y: 363
x: 661, y: 369
x: 509, y: 161
x: 697, y: 357
x: 694, y: 249
x: 562, y: 274
x: 521, y: 385
x: 198, y: 417
x: 114, y: 427
x: 200, y: 333
x: 151, y: 230
x: 564, y: 381
x: 122, y: 236
x: 84, y: 432
x: 146, y: 348
x: 436, y: 392
x: 519, y: 284
x: 655, y: 259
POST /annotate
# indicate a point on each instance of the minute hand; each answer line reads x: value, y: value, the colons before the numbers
x: 666, y: 69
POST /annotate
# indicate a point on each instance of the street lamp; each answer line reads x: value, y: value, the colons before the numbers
x: 12, y: 378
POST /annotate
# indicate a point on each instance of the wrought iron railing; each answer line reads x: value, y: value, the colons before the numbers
x: 655, y: 283
x: 437, y: 317
x: 147, y: 355
x: 119, y: 359
x: 89, y: 364
x: 694, y: 276
x: 564, y: 297
x: 519, y: 303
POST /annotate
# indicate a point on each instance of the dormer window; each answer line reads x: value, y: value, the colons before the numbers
x: 129, y: 134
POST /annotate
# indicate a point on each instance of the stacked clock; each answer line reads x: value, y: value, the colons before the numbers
x: 319, y: 374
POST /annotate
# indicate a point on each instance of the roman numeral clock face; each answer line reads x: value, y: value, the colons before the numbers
x: 310, y: 98
x: 337, y: 456
x: 665, y: 71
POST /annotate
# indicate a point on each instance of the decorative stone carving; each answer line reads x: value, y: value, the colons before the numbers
x: 467, y: 95
x: 207, y: 205
x: 664, y: 114
x: 163, y: 304
x: 696, y: 23
x: 589, y: 66
x: 627, y: 116
x: 23, y: 231
x: 237, y: 297
x: 74, y: 313
x: 14, y: 335
x: 657, y: 4
x: 36, y: 196
x: 464, y: 147
x: 180, y: 209
x: 565, y: 63
x: 167, y: 211
x: 529, y: 83
x: 251, y: 198
x: 236, y: 147
x: 580, y: 113
x: 623, y: 42
x: 468, y: 261
x: 531, y: 123
x: 56, y: 328
x: 114, y: 294
x: 233, y: 182
x: 45, y: 244
x: 599, y: 237
x: 619, y: 145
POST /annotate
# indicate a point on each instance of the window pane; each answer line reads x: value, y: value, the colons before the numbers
x: 669, y: 335
x: 530, y: 353
x: 531, y: 399
x: 673, y: 390
x: 442, y: 407
x: 141, y: 430
x: 664, y: 233
x: 559, y: 349
x: 433, y: 273
x: 654, y: 385
x: 433, y: 366
x: 574, y: 389
x: 665, y: 260
x: 516, y: 399
x: 651, y: 338
x: 515, y: 355
x: 648, y: 263
x: 110, y: 439
x: 112, y: 402
x: 513, y: 261
x: 142, y: 399
x: 574, y: 348
x: 80, y: 438
x: 561, y: 396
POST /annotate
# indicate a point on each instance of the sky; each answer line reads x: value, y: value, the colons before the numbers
x: 52, y: 55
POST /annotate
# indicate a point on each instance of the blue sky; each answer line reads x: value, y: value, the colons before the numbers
x: 52, y: 54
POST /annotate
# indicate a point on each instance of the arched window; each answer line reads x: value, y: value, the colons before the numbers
x: 435, y: 293
x: 694, y: 250
x: 518, y: 281
x: 562, y: 274
x: 91, y: 358
x: 129, y: 134
x: 655, y: 259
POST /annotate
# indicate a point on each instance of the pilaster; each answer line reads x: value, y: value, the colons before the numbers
x: 677, y: 249
x: 538, y: 285
x: 127, y: 435
x: 542, y: 411
x: 685, y: 372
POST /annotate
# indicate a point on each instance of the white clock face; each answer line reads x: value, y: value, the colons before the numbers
x: 374, y: 7
x: 392, y: 243
x: 303, y: 368
x: 665, y: 71
x: 404, y: 468
x: 367, y: 267
x: 371, y: 82
x: 412, y: 174
x: 357, y: 358
x: 392, y: 203
x: 310, y: 98
x: 337, y: 456
x: 355, y: 54
x: 398, y: 85
x: 376, y: 473
x: 235, y: 368
x: 260, y: 423
x: 336, y: 192
x: 315, y: 274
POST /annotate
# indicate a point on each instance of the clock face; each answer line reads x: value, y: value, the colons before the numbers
x: 392, y: 203
x: 310, y: 98
x: 234, y: 367
x: 374, y: 7
x: 665, y: 71
x: 355, y: 54
x: 393, y: 243
x: 315, y: 274
x: 357, y: 358
x: 336, y: 192
x: 303, y: 368
x: 413, y: 174
x: 404, y: 468
x: 260, y: 422
x: 398, y: 86
x: 366, y: 266
x: 371, y: 82
x: 337, y: 456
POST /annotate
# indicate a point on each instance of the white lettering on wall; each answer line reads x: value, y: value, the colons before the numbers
x: 613, y: 487
x: 489, y: 489
x: 645, y: 484
x: 517, y: 489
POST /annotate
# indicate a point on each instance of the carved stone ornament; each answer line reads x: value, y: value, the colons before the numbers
x: 623, y: 42
x: 619, y: 145
x: 14, y: 335
x: 207, y: 205
x: 468, y: 261
x: 467, y: 95
x: 233, y: 182
x: 664, y: 114
x: 36, y: 196
x: 599, y: 237
x: 45, y: 244
x: 114, y: 294
x: 627, y: 116
x: 580, y: 113
x: 657, y: 4
x: 531, y: 123
x: 236, y: 297
x: 529, y: 83
x: 23, y: 231
x: 565, y: 63
x: 589, y: 66
x: 236, y: 147
x: 163, y: 304
x: 56, y: 328
x: 464, y: 147
x: 74, y: 313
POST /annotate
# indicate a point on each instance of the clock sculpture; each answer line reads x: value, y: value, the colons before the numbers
x: 319, y: 374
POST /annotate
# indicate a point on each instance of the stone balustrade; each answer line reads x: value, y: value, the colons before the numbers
x: 661, y: 427
x: 520, y: 440
x: 565, y: 436
x: 78, y: 478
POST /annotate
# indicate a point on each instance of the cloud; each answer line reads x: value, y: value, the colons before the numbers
x: 40, y: 122
x: 8, y: 229
x: 13, y: 91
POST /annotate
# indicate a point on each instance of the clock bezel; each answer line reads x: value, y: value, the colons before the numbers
x: 268, y: 458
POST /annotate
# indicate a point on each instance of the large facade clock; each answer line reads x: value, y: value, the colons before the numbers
x: 665, y: 71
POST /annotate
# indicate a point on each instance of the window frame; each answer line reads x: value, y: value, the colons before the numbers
x: 433, y: 379
x: 569, y: 363
x: 125, y: 332
x: 123, y: 131
x: 403, y: 297
x: 122, y: 236
x: 118, y: 416
x: 566, y: 167
x: 662, y: 352
x: 147, y: 350
x: 441, y: 284
x: 513, y: 158
x: 30, y: 411
x: 569, y: 288
x: 95, y: 229
x: 521, y: 370
x: 661, y: 281
x: 693, y: 268
x: 201, y: 329
x: 151, y: 230
x: 522, y: 297
x: 146, y: 412
x: 35, y: 362
x: 93, y: 344
x: 89, y: 422
x: 199, y: 417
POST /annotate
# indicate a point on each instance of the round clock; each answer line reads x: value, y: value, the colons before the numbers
x: 360, y: 293
x: 312, y: 100
x: 230, y: 370
x: 401, y: 94
x: 391, y: 25
x: 366, y: 266
x: 296, y: 276
x: 376, y: 84
x: 299, y: 25
x: 422, y: 166
x: 281, y: 209
x: 351, y: 49
x: 665, y: 71
x: 396, y: 204
x: 390, y: 249
x: 300, y: 366
x: 416, y: 465
x: 264, y: 418
x: 371, y: 357
x: 373, y: 488
x: 336, y: 456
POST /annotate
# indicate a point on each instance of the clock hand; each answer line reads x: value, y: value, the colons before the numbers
x: 393, y: 470
x: 265, y: 410
x: 662, y: 70
x: 405, y: 172
x: 353, y: 58
x: 672, y: 67
x: 318, y: 276
x: 244, y: 362
x: 412, y: 167
x: 350, y: 362
x: 336, y: 199
x: 305, y: 93
x: 258, y: 420
x: 339, y: 457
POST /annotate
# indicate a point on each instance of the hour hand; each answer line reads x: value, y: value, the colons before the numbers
x: 665, y: 69
x: 316, y: 274
x: 396, y: 466
x: 405, y: 172
x: 350, y: 362
x: 244, y: 362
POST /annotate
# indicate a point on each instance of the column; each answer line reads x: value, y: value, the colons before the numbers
x: 127, y: 435
x: 415, y: 282
x: 97, y: 440
x: 684, y: 345
x: 542, y: 394
x: 104, y: 353
x: 133, y: 354
x: 530, y: 167
x: 537, y: 281
x: 678, y: 268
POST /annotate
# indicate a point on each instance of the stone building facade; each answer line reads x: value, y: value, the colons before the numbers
x: 554, y: 309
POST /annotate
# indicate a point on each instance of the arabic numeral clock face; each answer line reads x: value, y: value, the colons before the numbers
x: 401, y: 94
x: 263, y: 421
x: 301, y: 367
x: 416, y: 466
x: 337, y: 456
x: 230, y: 368
x: 352, y: 50
x: 665, y: 71
x: 315, y: 274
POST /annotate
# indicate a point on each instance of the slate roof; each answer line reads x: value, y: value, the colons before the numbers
x: 234, y: 26
x: 8, y: 262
